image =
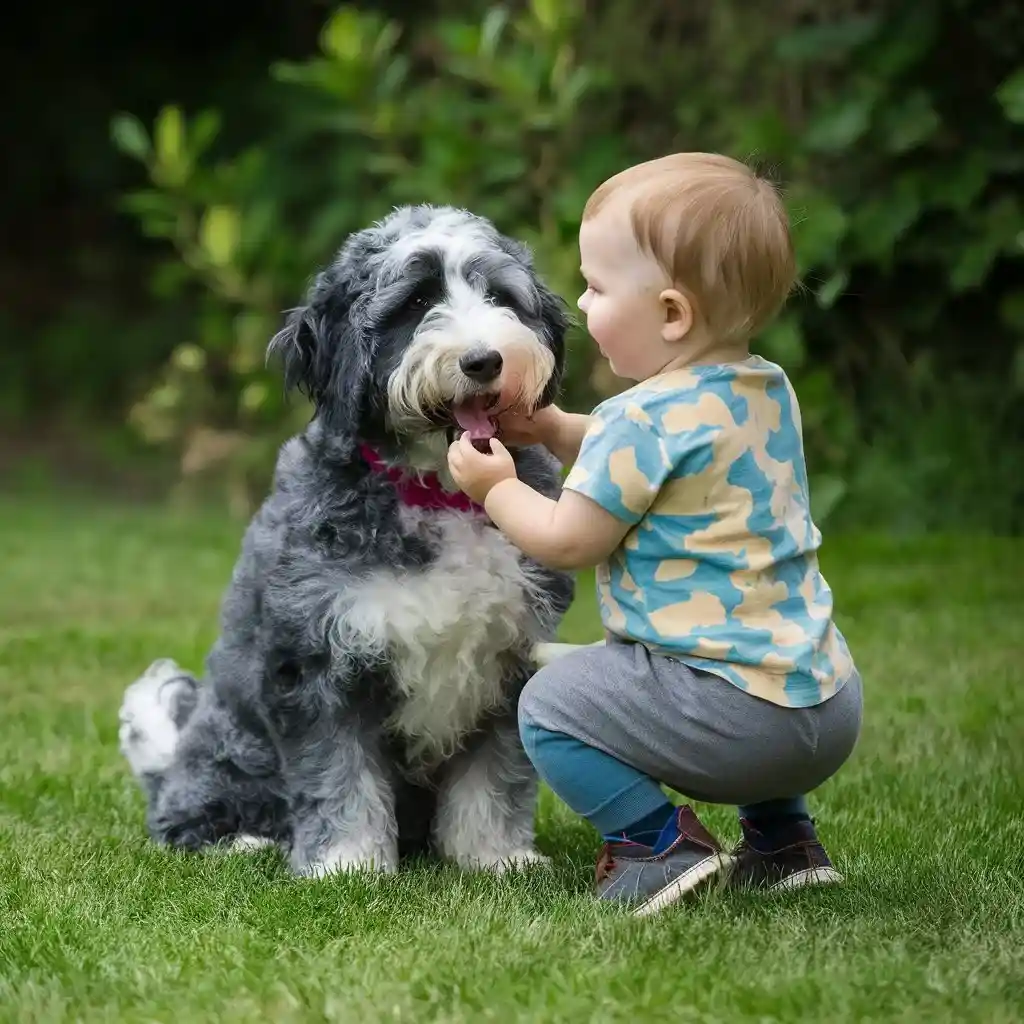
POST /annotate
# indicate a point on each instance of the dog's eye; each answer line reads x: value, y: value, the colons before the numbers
x: 418, y: 301
x: 499, y: 297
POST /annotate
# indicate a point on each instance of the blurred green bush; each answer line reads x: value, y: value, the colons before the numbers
x: 895, y: 131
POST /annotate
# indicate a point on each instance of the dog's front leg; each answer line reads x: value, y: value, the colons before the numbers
x: 486, y: 802
x: 340, y: 799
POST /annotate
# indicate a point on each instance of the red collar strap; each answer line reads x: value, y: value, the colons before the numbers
x: 418, y: 490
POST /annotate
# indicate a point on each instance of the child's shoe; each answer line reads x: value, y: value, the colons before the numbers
x: 790, y: 858
x: 685, y: 858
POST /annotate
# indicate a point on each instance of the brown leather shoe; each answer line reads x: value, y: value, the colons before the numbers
x: 689, y: 859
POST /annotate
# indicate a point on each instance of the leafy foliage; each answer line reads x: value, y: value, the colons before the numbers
x: 895, y: 133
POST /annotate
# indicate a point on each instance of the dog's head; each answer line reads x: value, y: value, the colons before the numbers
x: 428, y: 321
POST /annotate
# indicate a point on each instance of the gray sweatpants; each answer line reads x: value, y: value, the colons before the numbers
x: 692, y: 730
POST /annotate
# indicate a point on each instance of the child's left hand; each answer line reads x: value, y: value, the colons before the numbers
x: 475, y: 472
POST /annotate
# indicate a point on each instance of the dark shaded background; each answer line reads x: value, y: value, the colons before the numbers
x: 907, y: 353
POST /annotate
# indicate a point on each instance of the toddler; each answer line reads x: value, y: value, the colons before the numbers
x: 723, y: 676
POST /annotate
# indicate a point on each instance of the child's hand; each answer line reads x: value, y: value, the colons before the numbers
x: 475, y: 472
x: 519, y: 428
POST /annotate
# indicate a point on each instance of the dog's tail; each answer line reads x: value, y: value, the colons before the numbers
x: 153, y: 713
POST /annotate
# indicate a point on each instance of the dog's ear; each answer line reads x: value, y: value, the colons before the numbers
x: 555, y: 317
x: 348, y: 376
x: 298, y: 345
x: 324, y: 357
x: 322, y: 352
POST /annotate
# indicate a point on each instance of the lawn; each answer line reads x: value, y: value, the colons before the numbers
x: 927, y: 822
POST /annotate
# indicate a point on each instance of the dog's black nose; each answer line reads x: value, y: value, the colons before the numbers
x: 481, y: 365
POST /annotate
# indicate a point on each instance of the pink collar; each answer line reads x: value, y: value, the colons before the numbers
x: 418, y: 490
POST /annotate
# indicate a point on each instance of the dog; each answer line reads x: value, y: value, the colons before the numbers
x: 359, y: 705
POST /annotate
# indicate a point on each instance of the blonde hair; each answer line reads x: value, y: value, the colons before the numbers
x: 717, y: 229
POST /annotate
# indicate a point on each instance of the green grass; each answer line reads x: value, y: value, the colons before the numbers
x: 96, y: 924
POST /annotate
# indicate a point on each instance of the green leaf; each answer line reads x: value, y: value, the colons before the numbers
x: 881, y: 220
x: 169, y: 136
x: 1011, y: 97
x: 840, y: 125
x: 546, y: 13
x: 909, y: 122
x: 129, y: 135
x: 389, y: 34
x: 998, y: 231
x: 155, y: 211
x: 827, y: 40
x: 907, y: 37
x: 254, y: 396
x: 576, y: 85
x: 818, y: 225
x: 973, y: 264
x: 961, y: 182
x: 219, y: 234
x: 394, y: 76
x: 763, y: 132
x: 491, y: 31
x: 205, y: 129
x: 827, y: 294
x: 342, y: 37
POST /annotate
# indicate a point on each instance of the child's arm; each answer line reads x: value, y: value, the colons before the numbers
x: 571, y: 533
x: 559, y: 431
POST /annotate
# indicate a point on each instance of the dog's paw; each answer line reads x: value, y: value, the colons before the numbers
x: 245, y: 843
x: 153, y: 710
x: 346, y: 858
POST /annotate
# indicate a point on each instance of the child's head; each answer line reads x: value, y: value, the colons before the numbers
x: 686, y: 255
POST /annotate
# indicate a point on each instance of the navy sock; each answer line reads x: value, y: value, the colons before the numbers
x: 648, y: 829
x: 773, y: 816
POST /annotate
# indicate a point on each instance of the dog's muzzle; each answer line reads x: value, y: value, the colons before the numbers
x: 483, y: 367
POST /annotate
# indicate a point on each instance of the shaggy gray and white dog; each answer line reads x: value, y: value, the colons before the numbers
x: 359, y: 703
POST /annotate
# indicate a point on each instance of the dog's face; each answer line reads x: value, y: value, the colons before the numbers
x: 430, y: 321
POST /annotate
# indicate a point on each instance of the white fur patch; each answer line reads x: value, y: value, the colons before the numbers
x: 147, y: 734
x: 454, y: 233
x: 245, y: 843
x: 358, y: 854
x: 475, y: 830
x: 429, y: 374
x: 445, y: 630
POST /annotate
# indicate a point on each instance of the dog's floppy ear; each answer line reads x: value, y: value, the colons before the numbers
x: 556, y: 320
x: 348, y: 374
x: 297, y: 345
x: 324, y: 354
x: 321, y: 350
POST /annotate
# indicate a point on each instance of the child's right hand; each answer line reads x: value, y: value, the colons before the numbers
x: 560, y: 432
x: 518, y: 428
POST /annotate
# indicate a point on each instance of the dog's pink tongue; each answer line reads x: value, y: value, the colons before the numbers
x: 472, y: 417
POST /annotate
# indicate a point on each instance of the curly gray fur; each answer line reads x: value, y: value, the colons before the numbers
x: 359, y: 703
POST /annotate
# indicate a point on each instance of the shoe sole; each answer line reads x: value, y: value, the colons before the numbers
x: 689, y: 882
x: 807, y: 877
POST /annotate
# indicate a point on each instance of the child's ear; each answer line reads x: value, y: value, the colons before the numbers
x: 678, y: 311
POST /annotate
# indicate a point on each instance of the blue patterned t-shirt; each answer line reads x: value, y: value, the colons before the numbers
x: 720, y: 568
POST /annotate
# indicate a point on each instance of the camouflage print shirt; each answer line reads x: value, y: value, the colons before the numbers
x: 720, y: 567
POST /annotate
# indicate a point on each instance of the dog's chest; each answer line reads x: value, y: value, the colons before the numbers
x: 446, y: 630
